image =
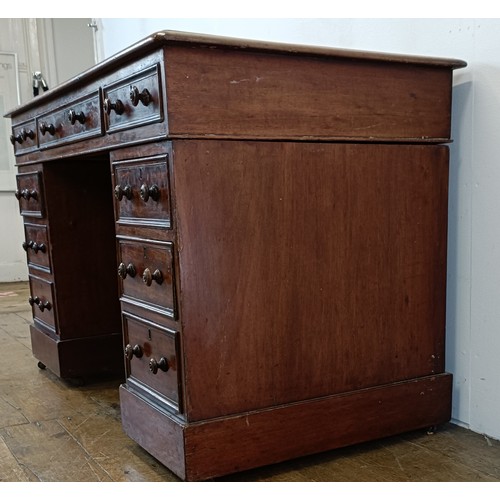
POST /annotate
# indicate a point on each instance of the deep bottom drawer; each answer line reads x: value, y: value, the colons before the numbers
x: 42, y: 302
x: 152, y: 359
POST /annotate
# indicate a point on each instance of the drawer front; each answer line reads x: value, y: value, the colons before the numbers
x: 133, y: 101
x: 36, y: 245
x: 146, y: 274
x: 152, y: 357
x: 74, y: 121
x: 24, y: 137
x: 30, y: 194
x: 142, y: 192
x: 42, y: 303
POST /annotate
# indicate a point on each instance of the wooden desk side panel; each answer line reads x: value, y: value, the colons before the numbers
x: 229, y: 93
x: 307, y: 269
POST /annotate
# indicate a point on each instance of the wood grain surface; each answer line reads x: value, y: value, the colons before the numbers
x: 308, y: 269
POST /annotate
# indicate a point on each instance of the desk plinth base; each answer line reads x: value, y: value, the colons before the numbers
x: 212, y: 448
x: 81, y: 357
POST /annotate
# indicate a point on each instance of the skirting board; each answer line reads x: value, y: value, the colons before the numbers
x: 80, y: 357
x: 213, y: 448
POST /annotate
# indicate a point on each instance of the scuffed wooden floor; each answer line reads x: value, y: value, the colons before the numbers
x: 52, y: 431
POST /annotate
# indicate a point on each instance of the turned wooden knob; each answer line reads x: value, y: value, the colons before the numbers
x: 47, y: 127
x: 124, y: 270
x: 45, y: 305
x: 74, y: 117
x: 121, y: 192
x: 130, y: 351
x: 27, y: 133
x: 116, y: 106
x: 16, y: 138
x: 38, y: 302
x: 136, y: 96
x: 152, y: 192
x: 27, y: 194
x: 148, y: 277
x: 161, y: 364
x: 38, y: 247
x: 22, y: 136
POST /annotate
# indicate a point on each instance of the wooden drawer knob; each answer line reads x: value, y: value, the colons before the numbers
x: 152, y: 192
x: 136, y: 96
x: 121, y: 192
x: 148, y: 277
x: 124, y: 270
x: 38, y: 302
x: 74, y: 117
x: 36, y: 247
x: 130, y: 351
x: 116, y: 106
x: 22, y: 136
x: 47, y: 127
x: 27, y: 133
x: 154, y: 365
x: 45, y: 305
x: 16, y: 138
x: 26, y: 194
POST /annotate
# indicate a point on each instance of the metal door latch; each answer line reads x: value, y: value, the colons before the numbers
x: 38, y: 80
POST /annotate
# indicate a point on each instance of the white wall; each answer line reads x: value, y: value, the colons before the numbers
x: 14, y: 37
x: 12, y: 256
x: 72, y: 37
x: 473, y: 306
x: 48, y: 45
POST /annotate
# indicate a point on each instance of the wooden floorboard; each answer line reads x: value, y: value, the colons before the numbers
x: 53, y: 431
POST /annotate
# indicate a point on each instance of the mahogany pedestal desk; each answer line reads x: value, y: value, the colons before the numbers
x: 258, y: 229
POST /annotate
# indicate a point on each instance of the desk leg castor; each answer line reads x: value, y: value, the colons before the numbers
x: 41, y: 365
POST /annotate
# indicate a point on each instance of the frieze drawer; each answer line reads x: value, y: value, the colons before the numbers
x: 146, y: 273
x: 133, y: 101
x: 42, y: 302
x: 76, y: 121
x: 24, y: 137
x: 152, y: 358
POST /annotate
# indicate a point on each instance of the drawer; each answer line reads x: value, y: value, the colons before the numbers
x: 142, y: 192
x: 29, y: 192
x: 152, y: 357
x: 24, y: 138
x: 36, y: 245
x: 146, y: 272
x: 80, y: 119
x: 42, y: 301
x: 133, y: 101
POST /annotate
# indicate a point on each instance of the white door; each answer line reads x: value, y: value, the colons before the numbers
x: 59, y: 48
